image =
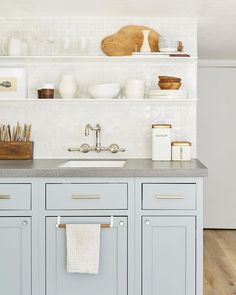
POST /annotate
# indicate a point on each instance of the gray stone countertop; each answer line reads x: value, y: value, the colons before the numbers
x: 132, y: 168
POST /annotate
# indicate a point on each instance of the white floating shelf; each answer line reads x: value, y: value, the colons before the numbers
x: 97, y: 58
x: 78, y: 100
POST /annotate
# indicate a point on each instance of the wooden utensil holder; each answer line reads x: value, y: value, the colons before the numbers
x: 16, y: 150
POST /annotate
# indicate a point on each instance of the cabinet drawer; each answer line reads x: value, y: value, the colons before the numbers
x: 89, y: 196
x: 169, y: 196
x: 15, y: 196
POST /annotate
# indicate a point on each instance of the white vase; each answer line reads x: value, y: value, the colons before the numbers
x: 67, y: 86
x: 145, y: 47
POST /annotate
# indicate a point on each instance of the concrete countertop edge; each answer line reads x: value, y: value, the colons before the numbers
x: 133, y: 168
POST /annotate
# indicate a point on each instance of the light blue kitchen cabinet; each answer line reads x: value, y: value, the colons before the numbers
x: 113, y: 272
x: 15, y: 256
x: 154, y: 247
x: 168, y: 255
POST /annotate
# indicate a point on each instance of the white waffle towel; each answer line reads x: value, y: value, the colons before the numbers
x: 83, y: 248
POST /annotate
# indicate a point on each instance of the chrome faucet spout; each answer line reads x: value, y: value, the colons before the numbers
x: 87, y: 128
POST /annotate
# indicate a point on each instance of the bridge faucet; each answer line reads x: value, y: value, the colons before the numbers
x: 85, y: 148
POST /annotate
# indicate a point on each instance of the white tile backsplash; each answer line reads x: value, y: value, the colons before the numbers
x: 58, y: 125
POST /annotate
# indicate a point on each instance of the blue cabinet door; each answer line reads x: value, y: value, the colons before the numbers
x: 168, y: 253
x: 15, y: 255
x: 112, y: 276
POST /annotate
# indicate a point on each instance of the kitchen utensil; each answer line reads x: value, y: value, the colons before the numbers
x: 134, y: 89
x: 169, y: 79
x: 47, y: 91
x: 108, y: 90
x: 134, y: 82
x: 128, y: 40
x: 160, y: 54
x: 14, y: 47
x: 168, y: 45
x: 16, y: 150
x: 83, y: 45
x: 24, y: 48
x: 181, y: 151
x: 161, y: 142
x: 18, y: 133
x: 158, y: 93
x: 169, y: 85
x: 67, y: 86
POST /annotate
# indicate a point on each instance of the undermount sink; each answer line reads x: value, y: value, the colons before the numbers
x: 93, y: 163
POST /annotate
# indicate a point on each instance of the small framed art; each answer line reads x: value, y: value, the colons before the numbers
x: 13, y: 83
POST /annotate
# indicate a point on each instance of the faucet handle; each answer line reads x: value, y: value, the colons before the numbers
x: 114, y: 148
x: 98, y: 127
x: 84, y: 148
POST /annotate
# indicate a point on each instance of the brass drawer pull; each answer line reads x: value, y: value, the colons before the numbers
x: 169, y: 197
x: 5, y: 197
x: 85, y: 197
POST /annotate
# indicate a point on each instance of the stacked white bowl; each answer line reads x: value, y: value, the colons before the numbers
x: 102, y: 91
x: 134, y: 89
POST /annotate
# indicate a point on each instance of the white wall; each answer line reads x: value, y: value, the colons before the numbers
x: 217, y: 142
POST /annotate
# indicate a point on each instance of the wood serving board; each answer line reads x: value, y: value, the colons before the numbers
x: 129, y: 39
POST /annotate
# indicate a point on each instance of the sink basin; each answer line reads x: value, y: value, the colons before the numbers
x: 93, y: 163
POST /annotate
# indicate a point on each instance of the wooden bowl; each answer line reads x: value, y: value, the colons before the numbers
x: 169, y: 85
x: 168, y: 79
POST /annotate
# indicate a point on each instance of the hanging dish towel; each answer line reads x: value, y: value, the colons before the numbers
x: 83, y: 248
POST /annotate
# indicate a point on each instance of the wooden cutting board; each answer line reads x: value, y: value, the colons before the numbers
x: 130, y: 39
x: 127, y: 40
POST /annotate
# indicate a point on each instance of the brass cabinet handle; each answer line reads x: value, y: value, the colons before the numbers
x: 85, y: 197
x: 169, y: 197
x: 5, y: 197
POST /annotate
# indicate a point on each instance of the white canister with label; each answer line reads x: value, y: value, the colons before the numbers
x: 161, y: 142
x: 181, y: 151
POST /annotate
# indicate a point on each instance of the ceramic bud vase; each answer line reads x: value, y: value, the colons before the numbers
x: 145, y: 47
x: 67, y: 86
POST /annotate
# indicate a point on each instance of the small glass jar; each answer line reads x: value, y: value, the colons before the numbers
x: 181, y: 151
x: 161, y: 142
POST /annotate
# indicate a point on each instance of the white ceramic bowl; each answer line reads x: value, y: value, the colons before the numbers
x: 109, y: 90
x: 135, y: 89
x: 134, y: 94
x: 134, y: 82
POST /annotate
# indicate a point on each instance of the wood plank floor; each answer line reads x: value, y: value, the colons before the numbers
x: 220, y: 262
